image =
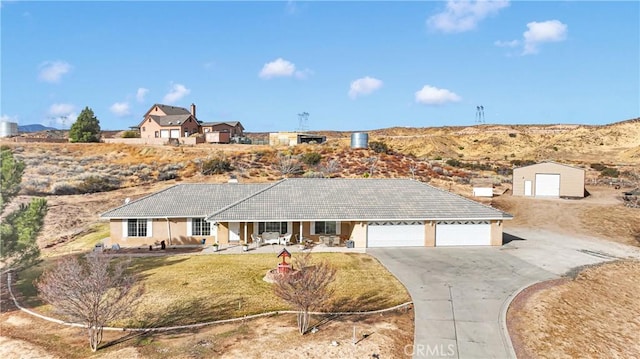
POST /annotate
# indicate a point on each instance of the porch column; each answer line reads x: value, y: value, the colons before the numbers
x: 300, y: 236
x: 246, y: 240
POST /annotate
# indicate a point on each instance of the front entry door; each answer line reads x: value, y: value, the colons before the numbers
x: 234, y: 232
x: 527, y: 188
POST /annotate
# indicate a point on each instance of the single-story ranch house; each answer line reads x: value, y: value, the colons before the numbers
x: 370, y: 212
x: 548, y: 179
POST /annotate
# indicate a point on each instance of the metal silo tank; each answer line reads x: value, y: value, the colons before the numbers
x: 8, y: 129
x: 359, y: 140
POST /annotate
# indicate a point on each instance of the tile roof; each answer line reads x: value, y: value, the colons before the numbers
x: 185, y: 200
x: 355, y: 199
x: 170, y: 120
x: 308, y: 199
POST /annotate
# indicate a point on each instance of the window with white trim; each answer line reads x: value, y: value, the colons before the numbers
x: 325, y: 227
x: 136, y: 228
x: 200, y: 227
x: 280, y: 227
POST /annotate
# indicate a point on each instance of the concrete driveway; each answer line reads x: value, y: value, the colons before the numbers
x: 460, y: 294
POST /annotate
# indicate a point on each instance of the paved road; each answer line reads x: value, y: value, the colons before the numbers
x: 460, y: 294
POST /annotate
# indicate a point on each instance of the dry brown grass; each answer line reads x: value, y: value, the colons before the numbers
x: 601, y: 215
x: 187, y: 289
x: 593, y: 316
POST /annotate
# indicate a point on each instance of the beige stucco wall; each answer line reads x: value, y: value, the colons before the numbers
x: 496, y: 233
x: 571, y: 179
x: 429, y: 233
x: 359, y: 234
x: 223, y: 232
x: 149, y: 127
x: 160, y: 232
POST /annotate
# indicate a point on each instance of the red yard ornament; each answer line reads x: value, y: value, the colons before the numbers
x: 284, y: 267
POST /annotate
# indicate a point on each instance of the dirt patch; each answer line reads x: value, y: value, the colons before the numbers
x: 274, y: 337
x: 594, y: 315
x: 600, y: 215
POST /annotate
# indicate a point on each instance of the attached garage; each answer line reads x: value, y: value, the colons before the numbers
x: 395, y: 234
x: 463, y: 233
x: 547, y: 185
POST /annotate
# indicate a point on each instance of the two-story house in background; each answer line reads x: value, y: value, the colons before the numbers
x: 164, y: 121
x: 172, y: 122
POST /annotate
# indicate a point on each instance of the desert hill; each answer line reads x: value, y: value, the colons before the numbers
x: 82, y: 180
x: 616, y: 143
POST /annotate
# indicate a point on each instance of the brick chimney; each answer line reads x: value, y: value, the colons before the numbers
x: 193, y: 110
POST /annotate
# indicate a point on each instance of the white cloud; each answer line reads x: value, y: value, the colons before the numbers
x: 364, y: 86
x: 541, y: 32
x: 177, y: 92
x: 512, y: 43
x: 120, y: 109
x: 430, y: 95
x: 464, y: 15
x: 282, y: 68
x: 52, y: 71
x: 141, y: 93
x: 62, y: 113
x: 61, y: 109
x: 277, y: 68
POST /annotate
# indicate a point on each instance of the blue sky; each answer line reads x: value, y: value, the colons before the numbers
x: 350, y: 65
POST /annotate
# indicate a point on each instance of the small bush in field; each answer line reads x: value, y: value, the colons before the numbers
x: 167, y: 175
x: 172, y: 167
x: 98, y: 183
x: 130, y: 134
x: 216, y: 166
x: 313, y: 174
x: 311, y: 158
x: 64, y: 188
x: 36, y: 186
x: 378, y: 147
x: 610, y: 172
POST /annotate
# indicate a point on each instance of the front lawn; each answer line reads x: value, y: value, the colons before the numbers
x: 185, y: 289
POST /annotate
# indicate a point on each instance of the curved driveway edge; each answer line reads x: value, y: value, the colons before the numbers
x: 461, y: 294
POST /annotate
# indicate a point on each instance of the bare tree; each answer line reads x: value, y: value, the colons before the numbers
x: 372, y: 163
x: 413, y: 168
x: 288, y: 165
x: 91, y: 291
x: 306, y: 289
x: 331, y: 167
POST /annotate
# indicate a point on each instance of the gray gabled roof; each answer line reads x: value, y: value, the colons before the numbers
x: 354, y: 199
x: 170, y: 110
x: 170, y: 120
x: 230, y: 123
x: 311, y: 199
x: 185, y: 200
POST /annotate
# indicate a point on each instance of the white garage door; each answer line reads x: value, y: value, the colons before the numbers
x: 548, y: 185
x: 463, y: 233
x: 395, y: 234
x: 164, y: 133
x: 175, y: 133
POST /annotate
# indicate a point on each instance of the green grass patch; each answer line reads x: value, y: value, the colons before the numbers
x: 187, y: 289
x: 86, y: 242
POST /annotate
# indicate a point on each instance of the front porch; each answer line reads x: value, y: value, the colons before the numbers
x: 327, y: 233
